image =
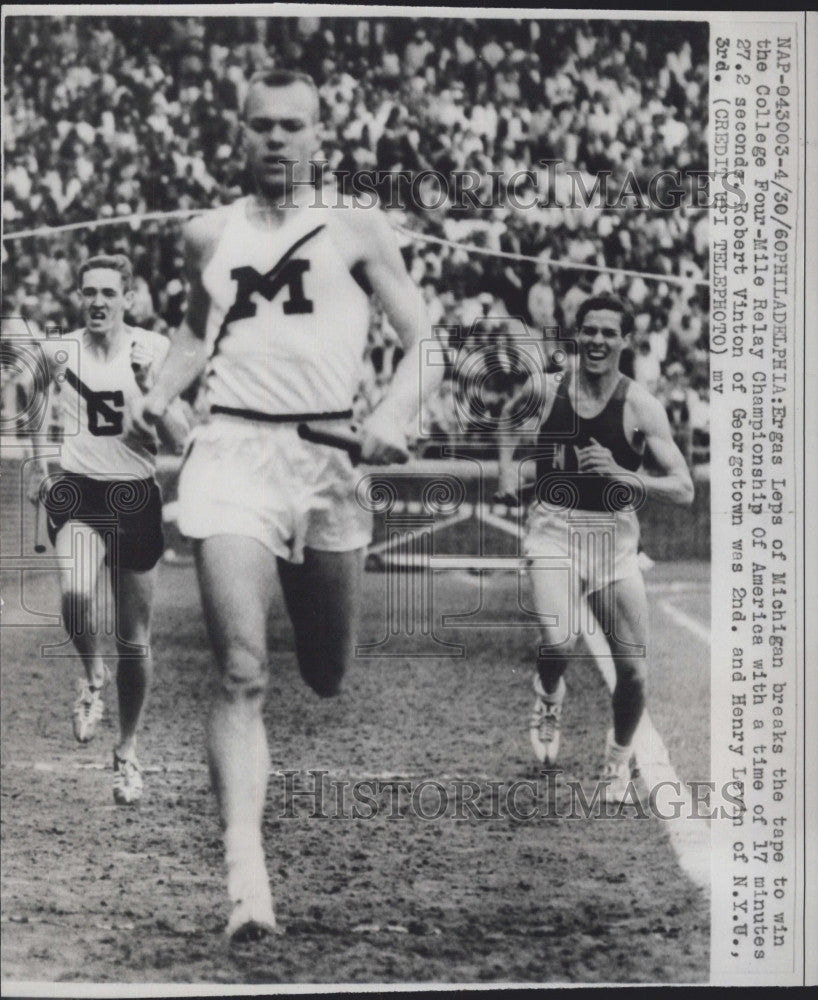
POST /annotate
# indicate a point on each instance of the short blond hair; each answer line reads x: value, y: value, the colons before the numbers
x: 274, y: 78
x: 114, y: 262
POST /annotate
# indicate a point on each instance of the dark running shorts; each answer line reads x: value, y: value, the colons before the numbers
x: 126, y: 512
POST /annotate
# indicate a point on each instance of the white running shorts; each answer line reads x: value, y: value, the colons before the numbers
x: 260, y: 480
x: 601, y: 547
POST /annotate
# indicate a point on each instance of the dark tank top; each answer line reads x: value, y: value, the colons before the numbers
x: 559, y: 481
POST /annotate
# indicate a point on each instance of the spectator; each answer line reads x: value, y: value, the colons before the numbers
x: 541, y: 302
x: 416, y: 53
x: 107, y: 116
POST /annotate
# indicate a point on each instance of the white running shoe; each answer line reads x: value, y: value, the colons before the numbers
x: 127, y: 780
x: 618, y: 772
x: 87, y: 711
x: 252, y: 917
x: 545, y: 722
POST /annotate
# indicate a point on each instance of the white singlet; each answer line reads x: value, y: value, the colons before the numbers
x: 93, y: 396
x: 287, y: 324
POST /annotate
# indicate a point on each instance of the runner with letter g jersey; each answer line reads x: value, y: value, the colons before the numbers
x: 104, y: 507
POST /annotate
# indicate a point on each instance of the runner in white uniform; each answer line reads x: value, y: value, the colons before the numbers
x: 274, y: 307
x: 104, y: 507
x: 292, y: 356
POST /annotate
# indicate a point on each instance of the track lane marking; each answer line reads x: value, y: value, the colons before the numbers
x: 685, y: 621
x: 690, y: 839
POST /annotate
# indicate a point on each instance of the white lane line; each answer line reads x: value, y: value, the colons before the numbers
x: 678, y: 586
x: 689, y: 838
x: 680, y: 618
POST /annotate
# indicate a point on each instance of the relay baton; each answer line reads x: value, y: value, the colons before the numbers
x: 335, y: 436
x: 516, y: 498
x: 40, y: 528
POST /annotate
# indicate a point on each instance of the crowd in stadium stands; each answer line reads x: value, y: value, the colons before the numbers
x: 107, y: 117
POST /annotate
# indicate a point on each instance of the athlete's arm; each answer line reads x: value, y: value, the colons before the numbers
x: 174, y: 424
x: 508, y: 478
x: 383, y: 435
x: 674, y: 484
x: 188, y: 351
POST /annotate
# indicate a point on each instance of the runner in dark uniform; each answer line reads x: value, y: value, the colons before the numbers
x: 582, y: 534
x: 564, y: 431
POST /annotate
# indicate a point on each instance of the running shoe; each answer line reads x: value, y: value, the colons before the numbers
x: 545, y: 722
x: 618, y: 772
x: 87, y: 711
x: 127, y: 780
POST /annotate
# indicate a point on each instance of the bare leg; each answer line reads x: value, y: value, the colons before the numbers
x: 622, y: 609
x: 323, y: 596
x: 560, y: 607
x: 552, y: 597
x: 135, y: 666
x: 236, y: 577
x: 85, y: 603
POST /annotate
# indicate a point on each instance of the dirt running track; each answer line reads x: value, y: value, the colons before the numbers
x: 92, y: 893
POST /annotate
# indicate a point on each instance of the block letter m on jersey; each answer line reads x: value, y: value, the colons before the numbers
x: 249, y: 281
x: 288, y: 272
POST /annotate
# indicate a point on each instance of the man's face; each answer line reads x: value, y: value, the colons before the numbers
x: 280, y: 124
x: 104, y: 299
x: 600, y: 341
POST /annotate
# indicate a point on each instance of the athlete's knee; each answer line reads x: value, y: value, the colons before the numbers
x: 552, y: 651
x: 631, y: 671
x: 77, y: 612
x: 133, y: 639
x: 133, y: 646
x: 242, y: 673
x: 323, y: 675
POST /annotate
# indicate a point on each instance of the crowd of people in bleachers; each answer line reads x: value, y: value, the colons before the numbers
x: 108, y: 116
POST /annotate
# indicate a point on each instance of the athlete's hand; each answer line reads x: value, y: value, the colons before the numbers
x: 509, y: 498
x: 597, y: 459
x: 508, y: 491
x: 141, y: 416
x: 383, y: 440
x: 142, y: 366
